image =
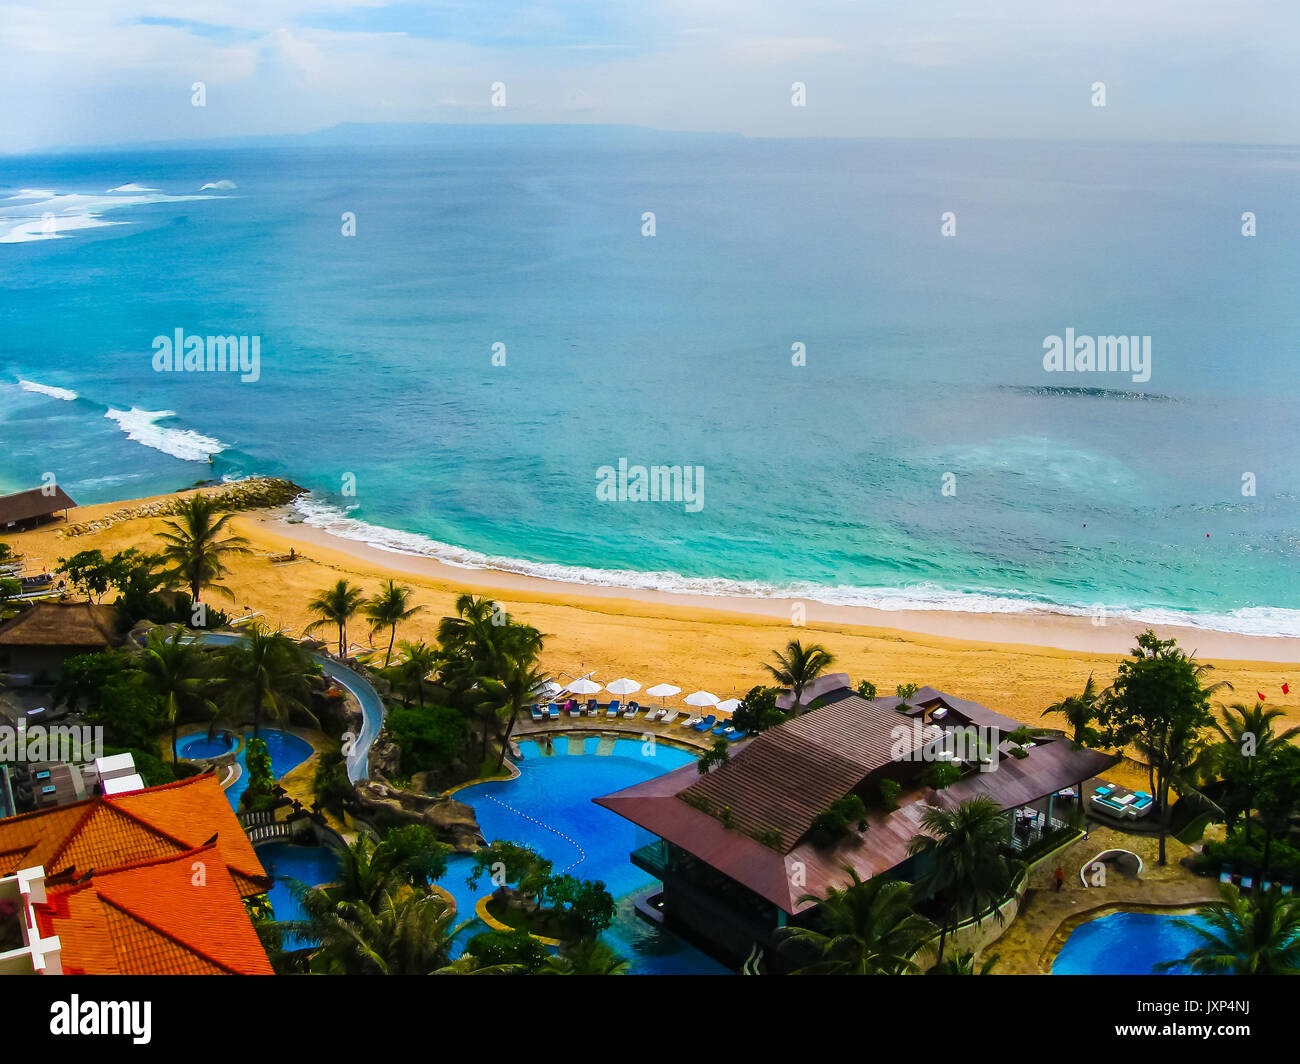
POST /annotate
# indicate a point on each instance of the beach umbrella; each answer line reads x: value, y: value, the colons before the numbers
x: 623, y: 686
x: 584, y: 687
x: 662, y: 691
x: 701, y: 698
x: 549, y: 690
x: 729, y: 706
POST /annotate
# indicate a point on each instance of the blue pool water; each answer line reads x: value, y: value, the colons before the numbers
x: 287, y: 752
x: 549, y: 807
x: 1126, y: 944
x: 313, y: 865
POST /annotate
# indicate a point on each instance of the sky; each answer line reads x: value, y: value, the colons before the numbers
x: 93, y: 72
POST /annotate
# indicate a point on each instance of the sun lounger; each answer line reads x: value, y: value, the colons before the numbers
x: 553, y: 711
x: 592, y: 706
x: 572, y: 708
x: 667, y: 716
x: 722, y: 729
x: 690, y: 722
x: 613, y: 709
x: 536, y: 711
x: 736, y: 736
x: 1225, y: 876
x: 707, y: 723
x: 653, y: 714
x: 631, y: 712
x: 1247, y: 883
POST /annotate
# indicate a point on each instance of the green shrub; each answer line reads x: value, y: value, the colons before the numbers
x: 430, y: 738
x: 889, y: 792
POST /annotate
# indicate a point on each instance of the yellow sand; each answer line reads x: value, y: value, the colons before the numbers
x: 717, y: 645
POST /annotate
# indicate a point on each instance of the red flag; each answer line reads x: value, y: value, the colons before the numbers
x: 1286, y: 689
x: 1261, y: 696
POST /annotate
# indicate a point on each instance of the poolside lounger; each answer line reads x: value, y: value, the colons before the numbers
x: 722, y: 729
x: 592, y: 706
x: 631, y: 712
x: 707, y: 723
x: 553, y: 711
x: 668, y: 716
x: 690, y: 721
x: 653, y: 714
x: 736, y: 736
x: 613, y: 709
x: 574, y: 709
x: 1225, y: 876
x: 537, y: 712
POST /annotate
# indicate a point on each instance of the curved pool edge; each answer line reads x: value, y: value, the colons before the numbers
x: 1076, y: 920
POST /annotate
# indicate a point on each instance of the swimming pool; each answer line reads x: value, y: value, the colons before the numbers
x: 313, y: 865
x: 1127, y: 944
x: 550, y: 808
x: 287, y: 752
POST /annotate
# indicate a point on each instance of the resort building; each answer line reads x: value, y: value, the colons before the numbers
x: 37, y: 642
x: 149, y: 882
x: 26, y: 509
x: 736, y: 849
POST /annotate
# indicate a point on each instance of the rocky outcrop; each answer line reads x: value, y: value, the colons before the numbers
x: 386, y: 806
x: 255, y: 493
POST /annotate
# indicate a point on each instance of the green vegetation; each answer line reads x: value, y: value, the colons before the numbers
x: 1080, y: 712
x: 832, y: 824
x: 1247, y: 936
x: 195, y: 546
x: 336, y: 605
x: 716, y: 756
x: 387, y: 609
x: 798, y: 666
x: 757, y: 711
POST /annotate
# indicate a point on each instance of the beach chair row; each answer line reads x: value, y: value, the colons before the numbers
x: 1246, y: 882
x: 615, y: 709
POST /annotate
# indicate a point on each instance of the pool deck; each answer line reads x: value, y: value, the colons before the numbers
x: 1047, y: 916
x: 639, y: 728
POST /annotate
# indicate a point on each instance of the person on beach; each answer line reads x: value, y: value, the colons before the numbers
x: 1059, y: 876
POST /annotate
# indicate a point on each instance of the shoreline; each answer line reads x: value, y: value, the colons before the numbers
x: 1046, y: 629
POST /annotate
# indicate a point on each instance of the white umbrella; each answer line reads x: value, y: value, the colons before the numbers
x: 623, y: 686
x: 584, y: 687
x: 729, y: 706
x: 663, y: 690
x: 549, y: 690
x: 701, y: 698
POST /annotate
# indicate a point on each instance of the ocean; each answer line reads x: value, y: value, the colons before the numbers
x: 920, y: 456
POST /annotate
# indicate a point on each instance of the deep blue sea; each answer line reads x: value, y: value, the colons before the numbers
x: 924, y: 357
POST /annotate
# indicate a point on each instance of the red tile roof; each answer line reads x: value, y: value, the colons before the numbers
x: 180, y: 914
x: 107, y: 832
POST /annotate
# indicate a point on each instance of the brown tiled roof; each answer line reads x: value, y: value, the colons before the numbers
x: 61, y: 624
x: 785, y: 777
x: 24, y: 505
x: 105, y: 832
x: 180, y: 914
x: 799, y: 770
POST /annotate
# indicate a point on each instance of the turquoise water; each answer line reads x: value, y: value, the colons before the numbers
x: 287, y: 752
x: 549, y: 807
x: 924, y: 357
x: 313, y: 865
x: 1126, y: 944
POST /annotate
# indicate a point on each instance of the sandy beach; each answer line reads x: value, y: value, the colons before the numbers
x: 1015, y: 664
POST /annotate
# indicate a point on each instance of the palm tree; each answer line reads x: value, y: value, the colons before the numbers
x: 410, y: 674
x: 402, y: 933
x: 585, y: 956
x: 1246, y: 936
x: 389, y: 608
x: 968, y: 871
x: 507, y: 693
x: 336, y: 605
x: 870, y: 929
x: 194, y: 549
x: 267, y: 672
x: 1248, y: 743
x: 1079, y: 711
x: 176, y: 672
x: 963, y: 963
x: 798, y: 667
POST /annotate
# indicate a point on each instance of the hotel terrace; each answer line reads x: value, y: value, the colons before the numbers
x: 727, y: 890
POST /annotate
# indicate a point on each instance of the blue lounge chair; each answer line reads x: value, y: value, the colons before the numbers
x: 631, y: 711
x: 553, y: 711
x: 722, y: 728
x: 613, y: 709
x: 1225, y: 875
x: 536, y: 712
x: 1247, y: 883
x: 707, y: 723
x: 574, y: 709
x: 592, y: 706
x: 736, y: 736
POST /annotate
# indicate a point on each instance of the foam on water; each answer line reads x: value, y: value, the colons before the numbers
x: 1268, y: 621
x: 47, y: 389
x: 142, y: 427
x: 51, y: 214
